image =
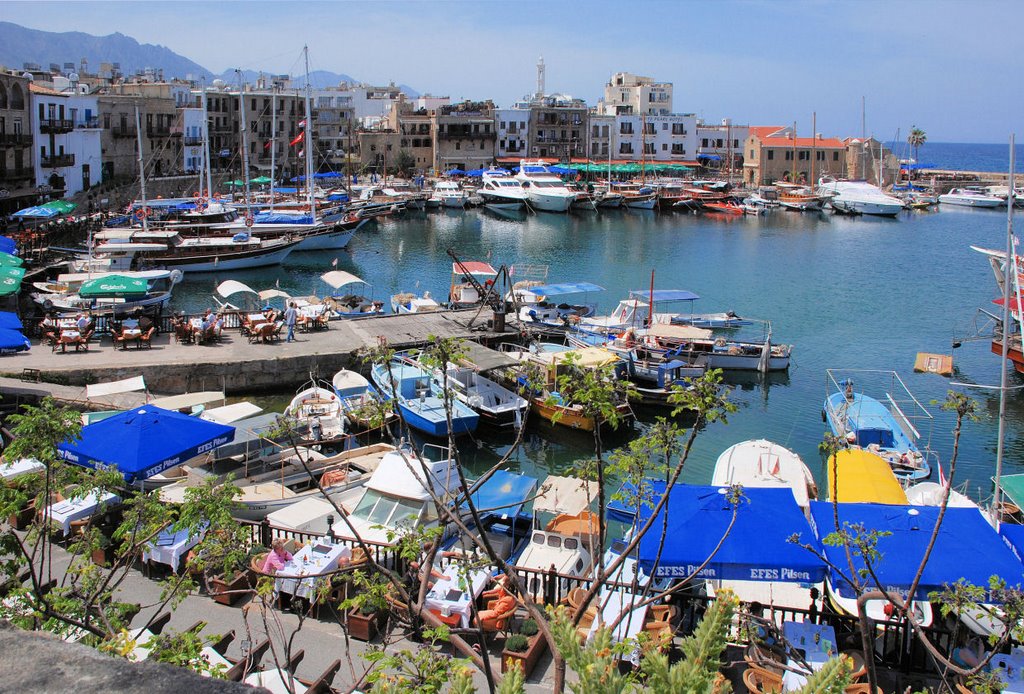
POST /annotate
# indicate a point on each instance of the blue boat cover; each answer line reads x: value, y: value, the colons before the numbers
x: 327, y: 174
x: 338, y: 197
x: 144, y: 441
x: 10, y: 321
x: 1013, y: 536
x: 665, y: 294
x: 709, y: 157
x: 286, y: 190
x: 757, y: 548
x: 12, y: 341
x: 565, y: 288
x: 268, y: 217
x: 967, y: 547
x: 503, y: 494
x: 624, y: 506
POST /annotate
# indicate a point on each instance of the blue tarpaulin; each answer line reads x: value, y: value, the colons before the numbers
x: 454, y: 172
x: 562, y: 170
x: 709, y: 157
x: 10, y: 321
x: 327, y: 174
x: 915, y: 167
x: 757, y: 548
x: 7, y: 245
x: 475, y: 173
x: 286, y: 190
x: 36, y: 212
x: 565, y: 288
x: 338, y: 197
x: 1013, y: 536
x: 625, y: 507
x: 144, y: 441
x: 967, y: 547
x: 504, y: 493
x: 665, y: 294
x: 12, y: 341
x: 268, y: 217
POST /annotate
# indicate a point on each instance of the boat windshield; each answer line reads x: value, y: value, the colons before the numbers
x: 549, y: 184
x: 389, y: 511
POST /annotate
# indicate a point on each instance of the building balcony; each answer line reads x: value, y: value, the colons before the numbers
x: 468, y: 136
x: 56, y: 126
x: 15, y: 139
x: 57, y: 161
x: 177, y: 131
x: 87, y: 124
x: 158, y: 132
x: 24, y: 173
x: 192, y: 141
x: 122, y: 132
x: 224, y: 128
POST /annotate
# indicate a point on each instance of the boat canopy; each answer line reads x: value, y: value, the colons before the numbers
x: 277, y: 217
x: 503, y: 494
x: 339, y: 278
x: 664, y: 295
x: 485, y: 359
x: 229, y: 287
x: 127, y: 385
x: 1013, y: 488
x: 745, y: 541
x: 587, y: 357
x: 564, y: 288
x: 966, y: 547
x: 231, y: 413
x: 678, y: 332
x: 268, y: 294
x: 401, y: 474
x: 144, y: 441
x: 863, y: 477
x: 569, y: 495
x: 188, y: 400
x: 473, y: 267
x: 623, y: 506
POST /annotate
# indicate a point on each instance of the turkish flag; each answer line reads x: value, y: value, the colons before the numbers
x: 298, y: 139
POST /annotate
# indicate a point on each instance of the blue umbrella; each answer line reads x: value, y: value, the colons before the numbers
x: 7, y: 245
x: 145, y: 441
x: 756, y: 549
x: 454, y: 172
x: 967, y: 547
x: 12, y: 341
x: 327, y: 174
x: 10, y: 321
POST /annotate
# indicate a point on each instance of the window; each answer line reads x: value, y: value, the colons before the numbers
x: 835, y: 156
x: 704, y: 142
x: 678, y: 129
x: 604, y: 131
x: 736, y: 144
x: 625, y: 148
x: 649, y: 129
x: 718, y: 142
x: 649, y: 148
x: 664, y: 147
x: 502, y: 126
x: 789, y: 155
x: 771, y: 154
x: 819, y: 156
x: 678, y: 148
x: 253, y: 109
x: 751, y: 154
x: 626, y: 128
x: 664, y: 126
x: 803, y: 155
x: 458, y: 145
x: 522, y: 125
x: 595, y: 131
x: 106, y: 121
x: 17, y: 98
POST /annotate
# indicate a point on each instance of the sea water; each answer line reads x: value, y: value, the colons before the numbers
x: 846, y: 292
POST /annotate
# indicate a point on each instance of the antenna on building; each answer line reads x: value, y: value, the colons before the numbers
x: 540, y: 77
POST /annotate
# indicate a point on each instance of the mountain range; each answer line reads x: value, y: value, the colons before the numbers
x: 20, y: 45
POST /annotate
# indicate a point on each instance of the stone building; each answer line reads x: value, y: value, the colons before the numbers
x: 718, y: 144
x: 161, y: 142
x: 772, y: 154
x: 464, y: 136
x: 558, y: 127
x: 627, y: 94
x: 17, y: 170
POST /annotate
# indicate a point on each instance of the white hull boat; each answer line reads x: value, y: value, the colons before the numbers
x: 965, y: 197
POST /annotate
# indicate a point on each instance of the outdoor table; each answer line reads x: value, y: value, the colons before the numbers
x: 616, y: 603
x: 816, y: 651
x: 1012, y: 671
x: 452, y: 595
x: 311, y: 317
x: 276, y: 681
x: 70, y: 337
x: 64, y: 323
x: 17, y: 468
x: 131, y: 335
x: 299, y: 576
x: 63, y: 512
x: 168, y: 547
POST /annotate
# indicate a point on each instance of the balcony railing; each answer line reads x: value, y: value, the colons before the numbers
x: 24, y: 173
x: 56, y: 125
x: 467, y: 136
x: 192, y: 141
x: 88, y: 124
x: 15, y: 139
x: 57, y: 161
x: 156, y: 131
x: 122, y: 132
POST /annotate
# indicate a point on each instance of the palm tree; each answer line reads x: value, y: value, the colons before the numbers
x: 916, y: 139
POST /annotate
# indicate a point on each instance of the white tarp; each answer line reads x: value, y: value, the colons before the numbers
x: 568, y: 495
x: 229, y: 287
x: 231, y: 413
x: 128, y: 385
x: 309, y: 516
x: 679, y: 332
x: 339, y: 278
x: 268, y: 294
x: 178, y: 402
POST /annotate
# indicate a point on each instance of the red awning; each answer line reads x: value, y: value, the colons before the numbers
x: 473, y: 267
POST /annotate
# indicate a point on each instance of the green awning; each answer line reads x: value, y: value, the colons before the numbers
x: 8, y: 260
x: 114, y: 285
x: 1013, y: 488
x: 261, y: 180
x: 61, y: 206
x: 235, y: 183
x: 10, y: 279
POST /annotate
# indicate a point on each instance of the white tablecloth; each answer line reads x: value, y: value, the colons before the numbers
x: 63, y: 512
x: 17, y: 468
x: 802, y: 635
x: 141, y: 637
x: 275, y: 681
x: 614, y: 604
x: 256, y: 317
x: 312, y: 311
x: 168, y: 547
x: 310, y: 562
x: 463, y: 590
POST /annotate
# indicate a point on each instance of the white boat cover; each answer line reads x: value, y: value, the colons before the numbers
x: 268, y: 294
x: 230, y: 287
x: 179, y: 402
x: 568, y: 495
x: 231, y: 413
x: 308, y: 515
x: 678, y: 332
x: 339, y: 278
x: 127, y: 385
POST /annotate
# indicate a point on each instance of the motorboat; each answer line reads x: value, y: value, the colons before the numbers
x: 800, y: 198
x: 535, y: 306
x: 545, y: 191
x: 106, y: 292
x: 360, y: 402
x: 499, y: 189
x: 861, y: 421
x: 467, y: 276
x: 729, y: 208
x: 349, y: 304
x: 499, y: 502
x: 931, y: 493
x: 495, y: 404
x: 761, y: 463
x: 855, y: 475
x: 318, y: 408
x: 421, y: 401
x: 658, y: 378
x: 407, y: 302
x: 450, y: 194
x: 400, y: 495
x: 859, y: 197
x: 168, y: 249
x: 971, y: 197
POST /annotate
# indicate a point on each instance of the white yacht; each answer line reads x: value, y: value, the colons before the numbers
x: 450, y: 194
x: 500, y: 190
x: 969, y: 197
x: 859, y: 197
x: 544, y: 190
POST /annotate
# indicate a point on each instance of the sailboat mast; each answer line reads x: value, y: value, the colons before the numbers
x: 206, y: 148
x: 245, y: 139
x: 643, y: 148
x: 650, y: 302
x: 796, y: 173
x: 308, y: 144
x: 814, y: 142
x: 273, y: 143
x: 1010, y: 258
x: 142, y: 169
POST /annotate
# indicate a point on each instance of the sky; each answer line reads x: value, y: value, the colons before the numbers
x: 950, y: 68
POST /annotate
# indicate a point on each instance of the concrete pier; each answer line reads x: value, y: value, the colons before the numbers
x: 236, y: 366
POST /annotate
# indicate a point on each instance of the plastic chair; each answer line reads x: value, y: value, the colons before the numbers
x: 758, y: 681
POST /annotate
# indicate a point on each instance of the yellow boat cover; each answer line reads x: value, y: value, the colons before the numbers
x: 863, y: 477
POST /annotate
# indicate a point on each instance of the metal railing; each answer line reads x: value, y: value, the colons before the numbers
x: 56, y: 125
x: 56, y: 161
x: 122, y: 132
x: 15, y: 139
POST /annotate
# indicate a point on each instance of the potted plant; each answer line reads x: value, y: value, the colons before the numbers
x: 367, y: 608
x: 224, y: 560
x: 526, y: 646
x: 104, y: 550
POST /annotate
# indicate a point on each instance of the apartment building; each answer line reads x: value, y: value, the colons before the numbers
x: 627, y: 94
x: 464, y: 136
x: 66, y: 136
x: 17, y: 171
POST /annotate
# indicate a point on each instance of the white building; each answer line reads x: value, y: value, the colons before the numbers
x: 428, y: 102
x: 717, y: 142
x: 513, y: 126
x: 629, y: 94
x: 192, y: 151
x: 66, y: 132
x: 602, y: 134
x: 655, y: 138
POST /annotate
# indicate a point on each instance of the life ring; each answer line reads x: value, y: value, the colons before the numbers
x: 202, y: 204
x: 48, y: 305
x: 141, y: 213
x: 197, y: 195
x: 351, y: 217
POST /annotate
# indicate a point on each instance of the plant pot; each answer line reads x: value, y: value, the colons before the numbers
x: 362, y: 626
x: 226, y: 592
x: 528, y: 658
x: 103, y: 556
x: 23, y: 518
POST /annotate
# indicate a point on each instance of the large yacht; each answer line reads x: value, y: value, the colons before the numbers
x: 859, y: 197
x: 500, y: 189
x: 971, y: 197
x: 544, y: 190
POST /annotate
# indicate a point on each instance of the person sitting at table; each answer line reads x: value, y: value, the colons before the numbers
x: 277, y: 558
x: 49, y: 328
x: 85, y: 327
x: 270, y: 314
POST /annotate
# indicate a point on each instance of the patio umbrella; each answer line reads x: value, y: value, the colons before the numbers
x: 114, y: 285
x: 454, y: 172
x: 10, y: 321
x: 60, y: 206
x: 6, y: 259
x: 7, y: 244
x: 235, y: 183
x: 36, y: 212
x: 144, y: 441
x: 10, y: 284
x: 12, y: 341
x: 262, y: 180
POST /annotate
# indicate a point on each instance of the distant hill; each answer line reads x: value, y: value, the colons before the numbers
x: 20, y: 45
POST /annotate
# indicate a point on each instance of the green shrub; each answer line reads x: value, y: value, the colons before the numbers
x: 517, y: 643
x: 528, y: 627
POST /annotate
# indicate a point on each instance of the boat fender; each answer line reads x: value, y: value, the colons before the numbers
x: 176, y: 276
x: 48, y: 305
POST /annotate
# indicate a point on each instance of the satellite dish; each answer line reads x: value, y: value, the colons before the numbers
x: 218, y: 83
x: 73, y: 77
x: 28, y: 76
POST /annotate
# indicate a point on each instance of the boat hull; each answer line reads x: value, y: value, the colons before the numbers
x: 549, y: 203
x: 228, y: 261
x: 333, y: 240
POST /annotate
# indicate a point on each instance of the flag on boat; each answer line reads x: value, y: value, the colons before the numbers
x: 266, y: 145
x: 334, y: 263
x: 302, y: 123
x: 298, y: 139
x: 301, y: 152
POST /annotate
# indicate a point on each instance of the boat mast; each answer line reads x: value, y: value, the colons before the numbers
x: 1011, y: 257
x: 643, y: 148
x: 308, y: 144
x: 796, y: 174
x: 273, y: 142
x: 814, y: 142
x: 863, y: 139
x: 206, y: 148
x: 142, y: 169
x: 245, y: 139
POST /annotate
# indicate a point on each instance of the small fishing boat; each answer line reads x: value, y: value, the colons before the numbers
x: 449, y: 194
x: 495, y: 404
x: 463, y: 292
x: 729, y: 208
x: 535, y: 306
x: 800, y: 198
x: 420, y: 400
x: 407, y: 302
x: 761, y: 463
x: 361, y: 404
x: 104, y: 293
x: 318, y: 408
x: 349, y: 304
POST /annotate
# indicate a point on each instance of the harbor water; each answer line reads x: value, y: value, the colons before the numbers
x: 852, y: 293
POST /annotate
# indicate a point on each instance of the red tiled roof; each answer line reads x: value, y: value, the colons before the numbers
x: 764, y: 131
x: 807, y: 142
x: 39, y: 89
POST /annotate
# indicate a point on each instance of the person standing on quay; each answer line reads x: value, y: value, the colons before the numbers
x: 290, y: 316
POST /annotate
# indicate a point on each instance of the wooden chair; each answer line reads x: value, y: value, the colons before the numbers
x: 499, y: 615
x: 146, y: 338
x: 660, y: 632
x: 586, y: 622
x: 275, y: 334
x: 861, y: 688
x: 961, y: 689
x: 662, y: 613
x: 574, y: 599
x: 758, y: 681
x: 240, y: 668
